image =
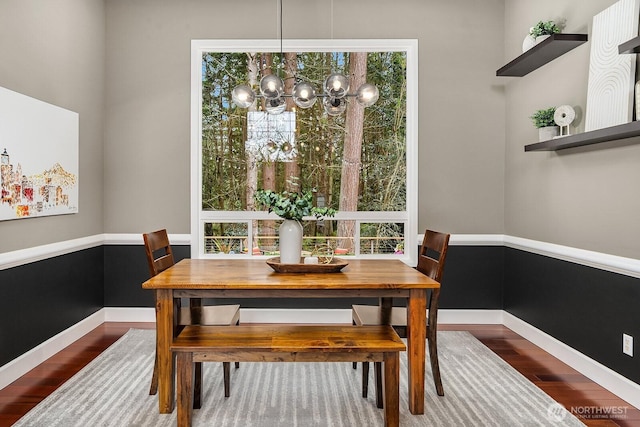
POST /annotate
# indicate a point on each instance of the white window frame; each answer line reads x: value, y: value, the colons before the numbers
x: 409, y: 217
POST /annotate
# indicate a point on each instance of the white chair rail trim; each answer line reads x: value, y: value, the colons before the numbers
x: 39, y: 253
x: 602, y: 261
x: 607, y: 262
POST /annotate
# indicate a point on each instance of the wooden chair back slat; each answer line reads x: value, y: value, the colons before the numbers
x: 159, y: 253
x: 433, y: 254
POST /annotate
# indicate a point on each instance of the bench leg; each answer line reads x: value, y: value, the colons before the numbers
x: 379, y: 391
x: 226, y: 368
x: 197, y: 386
x: 391, y: 381
x: 185, y: 389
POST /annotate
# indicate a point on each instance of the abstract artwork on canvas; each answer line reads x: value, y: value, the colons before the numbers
x: 611, y: 75
x: 38, y: 158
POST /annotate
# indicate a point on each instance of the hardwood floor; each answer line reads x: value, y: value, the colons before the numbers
x: 587, y: 400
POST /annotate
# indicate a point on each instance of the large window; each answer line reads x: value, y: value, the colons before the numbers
x: 370, y: 179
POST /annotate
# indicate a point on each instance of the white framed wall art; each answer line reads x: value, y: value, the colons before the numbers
x: 611, y: 75
x: 38, y: 158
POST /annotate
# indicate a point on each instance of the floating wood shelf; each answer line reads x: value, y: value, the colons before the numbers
x: 613, y: 133
x: 632, y: 46
x: 542, y: 53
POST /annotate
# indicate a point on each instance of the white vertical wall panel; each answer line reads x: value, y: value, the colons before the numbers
x: 611, y: 75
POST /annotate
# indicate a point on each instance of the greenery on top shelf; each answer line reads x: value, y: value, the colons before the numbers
x: 544, y: 118
x: 544, y: 28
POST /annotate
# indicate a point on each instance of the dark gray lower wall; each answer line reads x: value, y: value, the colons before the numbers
x: 472, y: 279
x: 125, y: 269
x: 44, y: 298
x: 586, y: 308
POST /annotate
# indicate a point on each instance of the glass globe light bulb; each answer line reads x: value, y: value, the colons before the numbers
x: 243, y: 96
x: 334, y: 106
x: 336, y: 85
x: 304, y: 95
x: 275, y: 106
x: 271, y: 86
x: 367, y: 95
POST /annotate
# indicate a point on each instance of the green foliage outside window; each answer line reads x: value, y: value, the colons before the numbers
x: 319, y: 138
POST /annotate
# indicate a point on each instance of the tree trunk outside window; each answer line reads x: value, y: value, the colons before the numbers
x: 351, y: 160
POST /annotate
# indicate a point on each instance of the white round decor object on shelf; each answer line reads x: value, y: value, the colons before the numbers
x: 564, y: 116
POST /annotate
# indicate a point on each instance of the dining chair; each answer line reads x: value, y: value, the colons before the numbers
x: 160, y: 257
x: 431, y: 261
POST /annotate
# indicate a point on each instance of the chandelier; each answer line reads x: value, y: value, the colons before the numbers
x: 335, y: 91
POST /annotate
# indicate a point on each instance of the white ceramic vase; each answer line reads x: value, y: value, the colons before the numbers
x: 542, y: 38
x: 290, y: 234
x: 528, y: 42
x: 548, y: 132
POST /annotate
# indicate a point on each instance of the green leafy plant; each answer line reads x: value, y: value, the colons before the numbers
x: 544, y: 28
x: 291, y: 205
x: 544, y: 118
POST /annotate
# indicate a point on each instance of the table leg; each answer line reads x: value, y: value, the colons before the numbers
x: 416, y: 343
x: 164, y: 336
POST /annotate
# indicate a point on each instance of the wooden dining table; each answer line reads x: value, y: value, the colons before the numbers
x: 253, y: 278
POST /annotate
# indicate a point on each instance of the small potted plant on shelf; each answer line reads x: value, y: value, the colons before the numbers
x: 539, y: 32
x: 545, y: 122
x: 547, y: 28
x: 292, y: 207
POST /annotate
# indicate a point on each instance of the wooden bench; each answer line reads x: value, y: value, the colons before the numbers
x: 290, y: 343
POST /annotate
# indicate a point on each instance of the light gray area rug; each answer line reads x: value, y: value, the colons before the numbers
x: 480, y: 390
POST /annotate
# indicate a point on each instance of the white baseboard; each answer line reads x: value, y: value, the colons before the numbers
x: 275, y: 315
x: 326, y: 316
x: 477, y: 317
x: 612, y: 381
x: 129, y: 314
x: 29, y: 360
x: 247, y: 315
x: 607, y: 378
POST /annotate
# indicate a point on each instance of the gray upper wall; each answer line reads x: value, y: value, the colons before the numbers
x: 461, y: 106
x: 582, y: 197
x: 124, y: 66
x: 54, y: 51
